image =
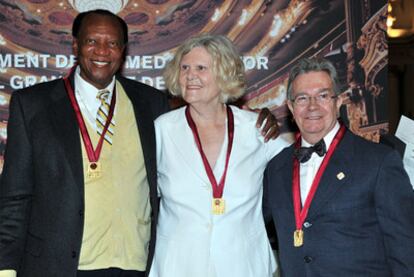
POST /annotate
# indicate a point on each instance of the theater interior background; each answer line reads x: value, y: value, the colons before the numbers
x: 35, y: 46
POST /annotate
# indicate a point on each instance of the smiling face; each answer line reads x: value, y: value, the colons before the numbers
x: 99, y: 49
x: 314, y: 120
x: 197, y: 80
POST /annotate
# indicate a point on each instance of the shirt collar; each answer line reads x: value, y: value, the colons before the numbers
x: 87, y: 91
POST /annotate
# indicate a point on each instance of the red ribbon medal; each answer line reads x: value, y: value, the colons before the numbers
x: 301, y: 213
x: 218, y: 203
x: 94, y: 169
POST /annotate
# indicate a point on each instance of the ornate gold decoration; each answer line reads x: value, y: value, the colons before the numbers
x: 373, y: 42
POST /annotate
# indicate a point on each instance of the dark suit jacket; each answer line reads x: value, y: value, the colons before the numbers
x: 42, y: 187
x: 393, y: 142
x: 361, y: 225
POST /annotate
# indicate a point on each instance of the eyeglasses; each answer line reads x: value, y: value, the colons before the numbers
x: 321, y: 98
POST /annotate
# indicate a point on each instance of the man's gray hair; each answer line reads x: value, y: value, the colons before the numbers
x: 307, y: 65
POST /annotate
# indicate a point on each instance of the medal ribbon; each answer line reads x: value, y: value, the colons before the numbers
x: 301, y: 213
x: 93, y: 154
x: 217, y: 188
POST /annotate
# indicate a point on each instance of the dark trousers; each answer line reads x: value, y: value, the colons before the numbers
x: 110, y: 272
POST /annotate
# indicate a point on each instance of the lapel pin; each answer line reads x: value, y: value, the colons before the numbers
x: 340, y: 175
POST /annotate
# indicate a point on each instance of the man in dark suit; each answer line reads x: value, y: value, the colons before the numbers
x: 66, y: 207
x: 341, y: 205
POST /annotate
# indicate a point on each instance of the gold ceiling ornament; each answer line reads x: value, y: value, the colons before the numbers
x: 114, y: 6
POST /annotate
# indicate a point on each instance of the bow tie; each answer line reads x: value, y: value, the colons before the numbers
x: 303, y: 154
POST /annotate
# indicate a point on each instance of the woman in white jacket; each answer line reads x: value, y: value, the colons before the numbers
x: 210, y: 159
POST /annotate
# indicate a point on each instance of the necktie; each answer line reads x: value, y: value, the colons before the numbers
x: 303, y: 154
x: 102, y: 116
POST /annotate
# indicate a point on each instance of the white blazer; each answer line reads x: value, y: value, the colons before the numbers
x: 191, y: 241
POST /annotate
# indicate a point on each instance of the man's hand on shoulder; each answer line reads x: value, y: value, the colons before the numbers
x: 267, y: 122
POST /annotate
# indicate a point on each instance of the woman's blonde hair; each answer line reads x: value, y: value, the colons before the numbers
x: 228, y: 67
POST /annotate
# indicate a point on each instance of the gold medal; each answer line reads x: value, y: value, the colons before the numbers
x: 218, y: 206
x: 298, y: 238
x: 94, y: 170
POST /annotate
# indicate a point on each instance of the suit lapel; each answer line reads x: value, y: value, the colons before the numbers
x: 64, y: 123
x: 186, y: 147
x: 335, y: 177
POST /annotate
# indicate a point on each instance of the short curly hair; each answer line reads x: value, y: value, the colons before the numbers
x: 228, y: 66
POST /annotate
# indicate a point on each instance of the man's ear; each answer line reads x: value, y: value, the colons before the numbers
x: 75, y: 47
x: 339, y: 101
x: 290, y: 105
